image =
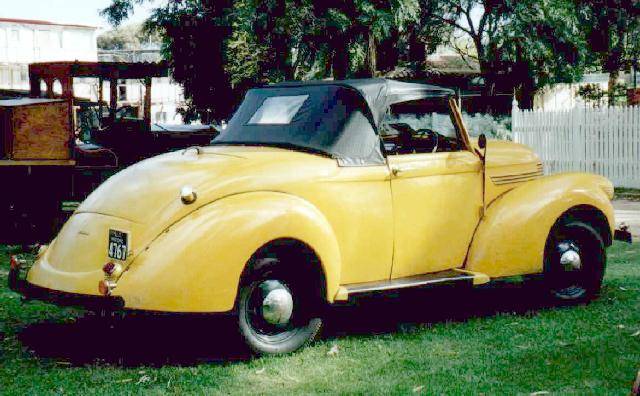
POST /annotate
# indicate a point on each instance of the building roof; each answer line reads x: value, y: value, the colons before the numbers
x: 39, y: 22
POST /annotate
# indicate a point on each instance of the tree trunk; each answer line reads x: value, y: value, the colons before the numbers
x: 526, y: 95
x: 387, y: 52
x: 417, y: 49
x: 340, y: 58
x: 613, y: 80
x: 371, y: 56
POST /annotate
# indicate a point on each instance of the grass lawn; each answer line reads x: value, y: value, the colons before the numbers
x: 493, y: 341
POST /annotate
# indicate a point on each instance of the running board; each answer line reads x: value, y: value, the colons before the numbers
x: 437, y: 278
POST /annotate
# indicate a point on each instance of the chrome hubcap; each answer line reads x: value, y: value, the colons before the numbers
x: 569, y: 286
x: 277, y: 305
x: 570, y: 260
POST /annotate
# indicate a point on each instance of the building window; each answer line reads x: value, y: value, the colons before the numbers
x: 15, y: 77
x: 122, y: 93
x: 15, y: 36
x: 5, y: 78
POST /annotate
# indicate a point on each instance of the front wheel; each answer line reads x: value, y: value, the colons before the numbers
x: 575, y: 261
x: 277, y: 311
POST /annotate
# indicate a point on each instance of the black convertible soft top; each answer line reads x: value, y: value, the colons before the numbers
x: 380, y: 93
x: 335, y: 118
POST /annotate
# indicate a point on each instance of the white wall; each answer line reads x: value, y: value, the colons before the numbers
x: 565, y: 96
x: 24, y: 43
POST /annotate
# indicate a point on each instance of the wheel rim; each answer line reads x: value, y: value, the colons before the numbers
x: 569, y: 270
x: 270, y: 311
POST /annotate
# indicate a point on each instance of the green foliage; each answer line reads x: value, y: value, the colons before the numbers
x: 525, y: 44
x: 612, y: 29
x: 546, y: 37
x: 376, y: 348
x: 129, y: 37
x: 595, y: 96
x: 592, y: 94
x: 218, y: 49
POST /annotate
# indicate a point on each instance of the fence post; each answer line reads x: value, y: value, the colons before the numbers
x: 514, y: 120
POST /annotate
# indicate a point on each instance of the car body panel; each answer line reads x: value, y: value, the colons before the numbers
x: 437, y: 202
x: 73, y: 262
x: 343, y: 198
x: 511, y: 237
x: 196, y: 264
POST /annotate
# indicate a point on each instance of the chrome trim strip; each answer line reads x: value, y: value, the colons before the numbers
x: 413, y: 281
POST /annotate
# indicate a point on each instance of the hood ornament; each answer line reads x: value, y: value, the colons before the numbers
x: 188, y: 195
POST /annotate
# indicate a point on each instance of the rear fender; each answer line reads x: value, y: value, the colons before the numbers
x: 511, y: 237
x: 196, y: 264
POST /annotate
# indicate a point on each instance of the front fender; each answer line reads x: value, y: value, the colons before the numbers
x: 196, y: 264
x: 511, y: 237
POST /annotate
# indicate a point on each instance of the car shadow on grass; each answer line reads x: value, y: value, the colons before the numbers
x: 156, y: 340
x: 392, y: 313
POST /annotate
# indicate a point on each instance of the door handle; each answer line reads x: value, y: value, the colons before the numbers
x: 396, y: 170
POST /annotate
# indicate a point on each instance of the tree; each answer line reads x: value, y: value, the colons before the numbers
x: 528, y: 43
x: 543, y: 45
x: 347, y: 34
x: 195, y: 34
x: 612, y: 28
x: 218, y: 49
x: 130, y: 37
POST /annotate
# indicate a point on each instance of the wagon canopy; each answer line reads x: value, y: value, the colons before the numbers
x: 336, y: 118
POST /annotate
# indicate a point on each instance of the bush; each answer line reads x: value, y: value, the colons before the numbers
x: 496, y: 127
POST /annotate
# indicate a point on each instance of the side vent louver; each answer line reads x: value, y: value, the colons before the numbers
x: 519, y: 177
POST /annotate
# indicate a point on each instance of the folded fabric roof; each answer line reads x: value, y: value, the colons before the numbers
x: 380, y: 93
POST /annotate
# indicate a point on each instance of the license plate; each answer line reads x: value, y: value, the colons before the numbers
x: 118, y: 245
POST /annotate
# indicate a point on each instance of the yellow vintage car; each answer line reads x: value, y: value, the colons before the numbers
x: 315, y: 194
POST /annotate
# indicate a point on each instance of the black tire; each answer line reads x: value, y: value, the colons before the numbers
x: 574, y: 279
x: 263, y: 337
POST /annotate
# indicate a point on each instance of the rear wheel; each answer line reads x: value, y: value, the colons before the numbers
x: 278, y: 312
x: 575, y: 261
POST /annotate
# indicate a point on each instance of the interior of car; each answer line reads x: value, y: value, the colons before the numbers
x: 420, y: 126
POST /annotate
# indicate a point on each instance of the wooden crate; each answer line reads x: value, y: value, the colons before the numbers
x: 35, y: 129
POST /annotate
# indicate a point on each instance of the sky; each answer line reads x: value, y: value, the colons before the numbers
x: 83, y: 12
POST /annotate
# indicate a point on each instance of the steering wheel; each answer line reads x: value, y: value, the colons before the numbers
x: 433, y: 136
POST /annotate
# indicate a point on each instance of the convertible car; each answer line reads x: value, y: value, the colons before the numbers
x: 318, y: 193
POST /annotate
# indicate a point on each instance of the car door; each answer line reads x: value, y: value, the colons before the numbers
x: 436, y: 193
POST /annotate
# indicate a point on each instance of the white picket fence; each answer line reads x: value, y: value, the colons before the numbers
x: 605, y: 141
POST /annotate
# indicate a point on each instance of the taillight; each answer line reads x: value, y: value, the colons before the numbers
x: 106, y: 286
x: 109, y: 268
x: 112, y: 269
x: 14, y: 263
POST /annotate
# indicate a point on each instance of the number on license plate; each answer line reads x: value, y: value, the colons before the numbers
x: 118, y: 245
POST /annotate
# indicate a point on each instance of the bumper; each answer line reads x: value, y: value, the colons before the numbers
x: 18, y: 283
x: 622, y: 234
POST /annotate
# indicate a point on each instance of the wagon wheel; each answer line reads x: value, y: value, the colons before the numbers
x: 276, y: 311
x: 575, y: 261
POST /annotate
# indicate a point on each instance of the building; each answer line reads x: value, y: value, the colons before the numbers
x: 25, y: 41
x: 29, y: 41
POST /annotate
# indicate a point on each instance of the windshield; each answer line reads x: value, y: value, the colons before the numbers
x: 328, y: 119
